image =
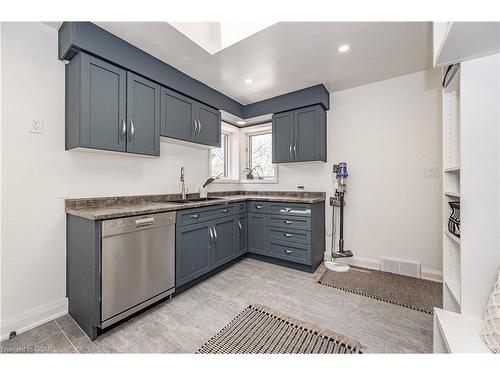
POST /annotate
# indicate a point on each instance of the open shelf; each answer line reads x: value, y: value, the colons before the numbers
x: 452, y: 194
x: 452, y: 170
x: 452, y: 237
x: 454, y: 288
x: 456, y: 333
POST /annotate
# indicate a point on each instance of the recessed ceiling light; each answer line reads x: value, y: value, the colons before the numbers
x: 248, y: 81
x: 344, y: 48
x: 241, y: 122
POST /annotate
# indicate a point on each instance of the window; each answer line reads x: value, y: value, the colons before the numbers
x: 260, y: 157
x: 219, y: 158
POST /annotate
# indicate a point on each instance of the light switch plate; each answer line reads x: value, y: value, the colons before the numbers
x: 36, y: 126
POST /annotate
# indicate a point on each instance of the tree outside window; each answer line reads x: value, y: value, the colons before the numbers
x: 260, y: 155
x: 219, y: 158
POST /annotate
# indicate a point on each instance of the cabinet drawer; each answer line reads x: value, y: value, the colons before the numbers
x: 292, y: 252
x: 241, y: 207
x: 292, y: 222
x: 198, y: 215
x: 259, y: 207
x: 292, y: 209
x: 289, y: 235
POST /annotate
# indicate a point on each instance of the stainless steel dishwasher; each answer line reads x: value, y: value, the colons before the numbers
x: 138, y: 264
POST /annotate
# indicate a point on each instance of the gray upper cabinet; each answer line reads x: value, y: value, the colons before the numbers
x: 188, y: 120
x: 300, y: 135
x: 177, y: 116
x: 282, y: 134
x: 143, y: 115
x: 110, y: 109
x: 95, y: 104
x: 209, y: 125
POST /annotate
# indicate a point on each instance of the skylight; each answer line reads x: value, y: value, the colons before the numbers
x: 215, y: 36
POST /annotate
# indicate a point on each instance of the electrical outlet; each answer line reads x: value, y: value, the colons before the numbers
x: 36, y: 127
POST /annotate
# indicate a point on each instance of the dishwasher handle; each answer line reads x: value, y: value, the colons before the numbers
x: 144, y: 222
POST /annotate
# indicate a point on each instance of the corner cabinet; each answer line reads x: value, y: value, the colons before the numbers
x: 186, y: 119
x: 299, y: 135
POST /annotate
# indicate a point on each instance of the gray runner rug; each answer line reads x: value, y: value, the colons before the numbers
x: 418, y: 294
x: 260, y: 329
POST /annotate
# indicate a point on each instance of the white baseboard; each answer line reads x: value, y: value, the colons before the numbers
x: 33, y: 317
x: 374, y: 264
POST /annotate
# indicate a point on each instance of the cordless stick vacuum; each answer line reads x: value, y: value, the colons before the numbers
x: 340, y: 171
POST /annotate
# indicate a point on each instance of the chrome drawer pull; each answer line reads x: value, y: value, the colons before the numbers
x: 287, y: 222
x: 288, y: 251
x: 225, y: 210
x: 285, y: 209
x: 239, y: 225
x: 287, y: 235
x: 259, y: 206
x: 144, y: 222
x: 195, y: 216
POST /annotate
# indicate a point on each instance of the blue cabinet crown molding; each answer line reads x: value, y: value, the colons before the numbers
x: 75, y: 37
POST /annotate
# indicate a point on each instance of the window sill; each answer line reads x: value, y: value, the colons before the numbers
x: 257, y: 181
x: 226, y: 181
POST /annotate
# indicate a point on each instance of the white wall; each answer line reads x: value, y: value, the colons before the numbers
x: 34, y: 165
x: 388, y: 133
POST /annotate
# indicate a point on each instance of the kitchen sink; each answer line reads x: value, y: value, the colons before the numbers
x: 191, y: 200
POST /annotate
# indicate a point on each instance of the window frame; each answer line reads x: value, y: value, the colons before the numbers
x: 227, y: 165
x: 266, y: 179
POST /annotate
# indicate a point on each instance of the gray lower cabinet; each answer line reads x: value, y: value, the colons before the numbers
x: 188, y: 120
x: 242, y: 234
x: 299, y: 135
x: 108, y: 108
x: 193, y: 255
x: 257, y: 241
x: 224, y: 243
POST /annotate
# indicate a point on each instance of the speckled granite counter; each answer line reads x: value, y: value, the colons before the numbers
x: 113, y: 207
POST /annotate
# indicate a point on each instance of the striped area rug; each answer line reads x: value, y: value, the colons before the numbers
x: 417, y: 294
x: 261, y: 330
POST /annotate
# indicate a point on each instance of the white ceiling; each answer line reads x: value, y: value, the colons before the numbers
x: 288, y: 56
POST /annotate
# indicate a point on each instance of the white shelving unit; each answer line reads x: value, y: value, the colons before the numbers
x: 451, y: 193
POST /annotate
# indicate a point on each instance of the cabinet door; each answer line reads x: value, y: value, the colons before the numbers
x: 242, y: 233
x: 177, y: 116
x: 257, y: 242
x: 307, y: 134
x: 143, y: 115
x: 282, y: 134
x: 209, y: 125
x: 192, y: 252
x: 224, y: 245
x: 103, y: 105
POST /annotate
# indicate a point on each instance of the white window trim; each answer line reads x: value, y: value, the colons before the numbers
x: 227, y: 159
x: 256, y: 130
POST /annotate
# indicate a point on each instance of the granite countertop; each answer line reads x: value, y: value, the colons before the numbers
x: 114, y: 207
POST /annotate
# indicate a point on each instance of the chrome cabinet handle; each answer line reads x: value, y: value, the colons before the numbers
x: 195, y: 216
x: 287, y: 221
x: 288, y: 251
x: 287, y: 235
x: 286, y: 209
x: 195, y: 127
x: 124, y: 129
x: 259, y: 206
x: 215, y: 234
x: 199, y: 126
x: 225, y: 210
x: 295, y: 149
x: 144, y: 222
x: 132, y: 129
x: 211, y: 235
x: 291, y: 156
x: 240, y: 226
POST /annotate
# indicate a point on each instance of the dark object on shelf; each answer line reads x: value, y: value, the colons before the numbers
x: 454, y: 221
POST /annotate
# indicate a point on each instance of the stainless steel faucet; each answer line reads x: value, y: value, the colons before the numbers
x: 183, y: 189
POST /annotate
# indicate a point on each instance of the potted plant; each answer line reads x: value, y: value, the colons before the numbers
x: 250, y: 172
x: 203, y: 190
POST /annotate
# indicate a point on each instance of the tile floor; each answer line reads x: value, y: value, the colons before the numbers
x: 184, y: 323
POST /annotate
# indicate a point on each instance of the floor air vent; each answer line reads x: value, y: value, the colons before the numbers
x: 401, y: 267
